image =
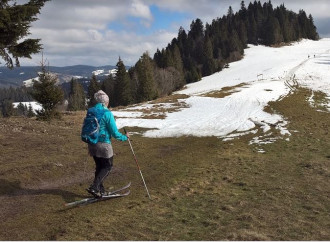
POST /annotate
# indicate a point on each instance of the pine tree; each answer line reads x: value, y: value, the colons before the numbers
x: 134, y: 83
x: 30, y: 112
x: 182, y: 41
x: 178, y: 65
x: 158, y: 58
x: 243, y: 35
x: 243, y: 11
x: 168, y: 58
x: 192, y: 74
x: 108, y: 87
x: 195, y: 41
x: 303, y: 23
x: 15, y: 22
x: 77, y: 97
x: 272, y: 31
x: 230, y: 12
x: 196, y: 29
x: 146, y: 88
x: 311, y: 29
x: 7, y: 108
x: 93, y: 87
x: 48, y: 94
x: 208, y: 61
x: 252, y: 32
x: 122, y: 91
x: 21, y: 109
x: 280, y: 14
x: 234, y: 42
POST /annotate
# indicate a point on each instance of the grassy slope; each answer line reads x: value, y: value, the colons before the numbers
x: 202, y: 188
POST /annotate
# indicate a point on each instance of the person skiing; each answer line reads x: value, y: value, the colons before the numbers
x: 102, y: 151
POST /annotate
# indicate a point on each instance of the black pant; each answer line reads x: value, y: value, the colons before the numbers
x: 102, y: 170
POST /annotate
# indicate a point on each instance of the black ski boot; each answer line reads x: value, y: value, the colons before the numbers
x: 93, y: 192
x: 102, y: 190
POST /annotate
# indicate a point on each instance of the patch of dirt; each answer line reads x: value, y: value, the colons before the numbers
x: 224, y: 92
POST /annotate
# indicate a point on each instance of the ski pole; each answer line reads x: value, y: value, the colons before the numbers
x: 137, y: 164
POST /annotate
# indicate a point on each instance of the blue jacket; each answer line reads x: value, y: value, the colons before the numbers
x: 108, y: 127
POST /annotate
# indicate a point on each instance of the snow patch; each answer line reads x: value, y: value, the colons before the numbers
x: 35, y: 105
x: 265, y: 74
x: 29, y: 82
x: 98, y: 72
x: 122, y: 114
x: 78, y: 77
x: 113, y: 72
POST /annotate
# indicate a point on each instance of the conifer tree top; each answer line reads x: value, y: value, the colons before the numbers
x: 15, y: 22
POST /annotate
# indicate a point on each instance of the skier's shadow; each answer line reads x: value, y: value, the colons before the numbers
x: 14, y: 188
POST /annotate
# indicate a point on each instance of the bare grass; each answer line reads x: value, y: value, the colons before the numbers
x: 224, y: 92
x: 201, y: 188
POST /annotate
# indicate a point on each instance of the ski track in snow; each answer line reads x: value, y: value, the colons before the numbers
x: 266, y: 74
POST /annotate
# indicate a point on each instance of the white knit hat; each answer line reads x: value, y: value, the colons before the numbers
x: 101, y: 97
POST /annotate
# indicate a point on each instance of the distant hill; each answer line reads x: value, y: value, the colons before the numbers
x: 17, y: 76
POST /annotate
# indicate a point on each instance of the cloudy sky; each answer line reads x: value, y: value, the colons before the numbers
x: 97, y: 32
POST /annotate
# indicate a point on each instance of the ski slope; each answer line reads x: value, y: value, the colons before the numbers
x: 264, y: 74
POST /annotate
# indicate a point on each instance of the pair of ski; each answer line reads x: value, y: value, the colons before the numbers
x: 109, y: 195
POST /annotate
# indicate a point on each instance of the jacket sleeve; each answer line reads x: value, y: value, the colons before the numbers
x: 111, y: 123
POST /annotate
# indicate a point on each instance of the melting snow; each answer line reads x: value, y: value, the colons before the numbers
x: 265, y: 74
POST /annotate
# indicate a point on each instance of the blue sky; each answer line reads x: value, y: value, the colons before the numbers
x: 98, y: 32
x: 162, y: 20
x: 165, y: 19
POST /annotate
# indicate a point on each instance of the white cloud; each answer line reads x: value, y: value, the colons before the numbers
x: 79, y: 33
x: 96, y: 48
x: 206, y: 10
x: 139, y: 9
x: 318, y: 8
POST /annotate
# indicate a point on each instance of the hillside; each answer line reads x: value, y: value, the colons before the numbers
x: 232, y: 102
x: 241, y: 155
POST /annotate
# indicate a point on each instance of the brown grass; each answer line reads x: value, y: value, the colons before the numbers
x: 224, y: 92
x: 201, y: 188
x: 159, y: 110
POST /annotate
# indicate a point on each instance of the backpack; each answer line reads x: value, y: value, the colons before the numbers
x: 91, y: 126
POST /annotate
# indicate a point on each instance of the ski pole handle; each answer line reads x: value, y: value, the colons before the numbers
x: 126, y: 133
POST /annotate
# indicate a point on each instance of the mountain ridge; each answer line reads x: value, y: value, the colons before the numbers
x: 16, y: 77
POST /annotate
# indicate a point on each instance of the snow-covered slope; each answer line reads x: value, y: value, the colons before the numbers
x: 264, y: 74
x: 35, y: 106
